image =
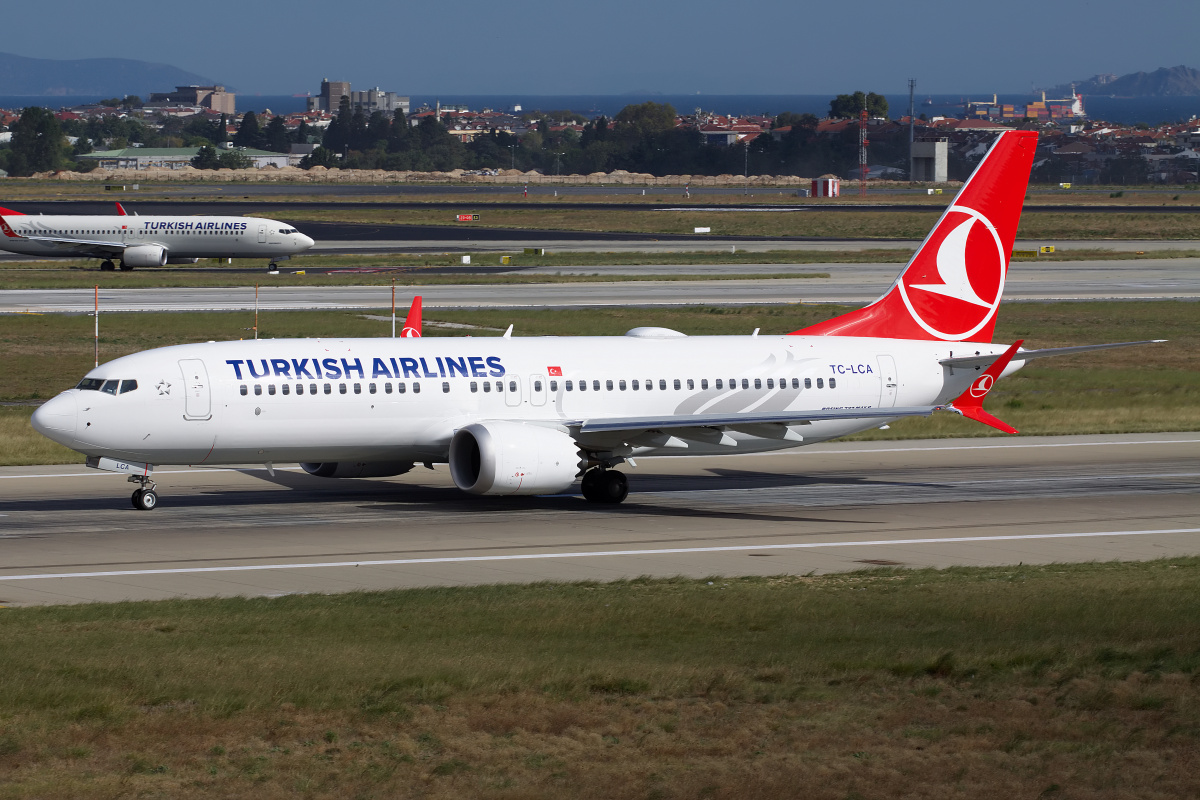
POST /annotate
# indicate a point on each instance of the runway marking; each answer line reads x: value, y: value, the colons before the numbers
x: 587, y: 554
x: 789, y: 451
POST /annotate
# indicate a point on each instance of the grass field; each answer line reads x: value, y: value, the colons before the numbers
x: 1057, y: 681
x: 1151, y: 388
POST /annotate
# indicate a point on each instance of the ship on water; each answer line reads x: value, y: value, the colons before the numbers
x: 1066, y: 108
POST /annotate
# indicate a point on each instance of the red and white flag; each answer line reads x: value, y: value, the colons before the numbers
x: 555, y: 372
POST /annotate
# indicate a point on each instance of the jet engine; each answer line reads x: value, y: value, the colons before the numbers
x: 357, y: 469
x: 144, y: 255
x: 500, y: 458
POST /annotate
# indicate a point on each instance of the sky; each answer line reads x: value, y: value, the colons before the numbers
x: 618, y: 46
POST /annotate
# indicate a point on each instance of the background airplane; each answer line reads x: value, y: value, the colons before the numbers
x: 136, y: 241
x: 526, y: 416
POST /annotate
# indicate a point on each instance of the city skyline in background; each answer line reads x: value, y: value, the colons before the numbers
x: 540, y: 48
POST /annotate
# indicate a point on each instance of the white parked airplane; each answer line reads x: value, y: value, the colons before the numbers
x: 136, y: 241
x: 522, y: 416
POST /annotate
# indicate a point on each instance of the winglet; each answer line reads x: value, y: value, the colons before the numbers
x: 121, y: 210
x: 412, y: 323
x: 970, y: 402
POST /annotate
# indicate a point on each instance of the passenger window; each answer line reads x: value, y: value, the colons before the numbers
x: 770, y: 383
x: 569, y: 386
x: 649, y: 385
x: 808, y: 383
x: 110, y: 387
x: 416, y: 388
x: 287, y: 388
x: 487, y: 386
x: 341, y: 388
x: 537, y: 386
x: 129, y: 386
x: 399, y: 388
x: 358, y: 388
x: 833, y: 383
x: 387, y: 388
x: 608, y: 385
x: 270, y: 388
x: 677, y: 384
x: 795, y: 383
x: 719, y: 384
x: 474, y: 386
x: 635, y: 385
x: 621, y: 385
x: 512, y: 386
x: 704, y: 383
x: 328, y: 388
x: 258, y: 388
x: 595, y: 386
x: 583, y: 386
x: 691, y: 384
x: 312, y: 388
x: 662, y: 384
x: 758, y: 383
x: 242, y: 389
x: 554, y: 386
x: 745, y: 383
x: 371, y: 388
x: 299, y: 388
x: 445, y: 387
x: 820, y: 383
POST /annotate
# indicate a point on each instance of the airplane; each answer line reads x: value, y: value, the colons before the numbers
x: 136, y: 241
x: 531, y: 416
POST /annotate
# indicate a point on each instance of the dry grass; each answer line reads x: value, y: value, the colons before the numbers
x: 1058, y: 681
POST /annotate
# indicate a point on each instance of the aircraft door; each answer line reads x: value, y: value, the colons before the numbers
x: 512, y: 390
x: 262, y: 234
x: 889, y: 382
x: 197, y: 395
x: 537, y: 390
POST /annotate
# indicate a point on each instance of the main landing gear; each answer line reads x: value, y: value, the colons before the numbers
x: 107, y: 266
x: 602, y: 485
x: 144, y: 498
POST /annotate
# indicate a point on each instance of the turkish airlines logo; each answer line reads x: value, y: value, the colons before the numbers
x: 410, y: 333
x: 7, y: 230
x: 954, y: 284
x: 982, y: 386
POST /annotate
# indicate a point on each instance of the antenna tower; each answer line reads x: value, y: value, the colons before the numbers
x: 862, y: 153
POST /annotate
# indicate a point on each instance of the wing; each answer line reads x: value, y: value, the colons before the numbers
x: 80, y: 247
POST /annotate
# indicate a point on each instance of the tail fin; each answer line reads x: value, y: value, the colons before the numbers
x: 412, y: 323
x: 951, y: 288
x: 8, y: 212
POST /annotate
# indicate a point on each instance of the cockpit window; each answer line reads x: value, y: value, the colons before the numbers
x: 286, y: 231
x: 110, y: 387
x: 128, y: 386
x: 91, y: 384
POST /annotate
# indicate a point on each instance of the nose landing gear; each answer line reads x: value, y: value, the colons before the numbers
x: 602, y: 485
x: 144, y: 498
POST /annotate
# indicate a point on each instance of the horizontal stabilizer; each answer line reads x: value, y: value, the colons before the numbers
x: 1029, y: 355
x: 970, y: 402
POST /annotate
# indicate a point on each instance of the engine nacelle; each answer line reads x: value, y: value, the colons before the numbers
x: 500, y: 458
x: 357, y: 469
x: 183, y: 261
x: 144, y: 255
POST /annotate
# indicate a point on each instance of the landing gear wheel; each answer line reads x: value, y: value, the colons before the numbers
x: 107, y: 266
x: 137, y: 498
x: 126, y: 267
x: 590, y: 485
x: 145, y: 499
x: 613, y: 486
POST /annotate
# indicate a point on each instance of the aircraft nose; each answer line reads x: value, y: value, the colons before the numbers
x: 305, y: 242
x: 55, y: 419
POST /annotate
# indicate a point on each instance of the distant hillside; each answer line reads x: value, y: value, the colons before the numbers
x: 112, y: 77
x: 1163, y: 82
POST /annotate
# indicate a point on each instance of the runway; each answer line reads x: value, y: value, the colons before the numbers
x: 69, y: 535
x: 848, y: 283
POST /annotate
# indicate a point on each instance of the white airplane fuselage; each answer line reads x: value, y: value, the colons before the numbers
x: 375, y: 400
x: 96, y: 236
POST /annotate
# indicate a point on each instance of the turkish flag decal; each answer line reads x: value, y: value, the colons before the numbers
x: 555, y: 372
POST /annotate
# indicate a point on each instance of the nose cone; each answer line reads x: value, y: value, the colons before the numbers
x: 303, y: 242
x: 55, y: 419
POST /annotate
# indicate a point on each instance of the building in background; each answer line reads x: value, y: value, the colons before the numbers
x: 370, y: 101
x: 929, y: 160
x: 213, y: 98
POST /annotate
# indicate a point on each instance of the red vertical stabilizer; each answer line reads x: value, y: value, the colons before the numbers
x: 951, y: 288
x: 412, y: 323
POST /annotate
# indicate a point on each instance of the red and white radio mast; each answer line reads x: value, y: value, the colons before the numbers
x: 862, y: 153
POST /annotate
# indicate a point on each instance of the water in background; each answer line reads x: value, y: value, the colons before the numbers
x: 1122, y: 110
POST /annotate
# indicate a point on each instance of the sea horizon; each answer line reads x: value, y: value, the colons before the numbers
x: 1120, y: 110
